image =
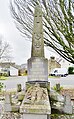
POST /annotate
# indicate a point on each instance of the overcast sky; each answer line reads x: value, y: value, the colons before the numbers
x: 21, y: 48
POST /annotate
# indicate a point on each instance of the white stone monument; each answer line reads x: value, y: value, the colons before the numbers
x: 37, y: 64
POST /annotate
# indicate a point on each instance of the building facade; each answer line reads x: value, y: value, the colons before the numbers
x: 52, y: 63
x: 8, y: 69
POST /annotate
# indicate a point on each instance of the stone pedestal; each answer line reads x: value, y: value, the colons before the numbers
x: 37, y: 69
x: 35, y: 116
x: 36, y: 102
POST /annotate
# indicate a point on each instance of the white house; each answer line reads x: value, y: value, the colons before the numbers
x: 13, y: 71
x: 66, y: 64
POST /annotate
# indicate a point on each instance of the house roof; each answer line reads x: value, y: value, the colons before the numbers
x: 8, y: 64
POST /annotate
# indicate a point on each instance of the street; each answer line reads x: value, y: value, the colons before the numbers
x: 67, y: 81
x: 12, y: 82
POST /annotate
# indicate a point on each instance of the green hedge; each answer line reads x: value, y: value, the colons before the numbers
x: 71, y: 70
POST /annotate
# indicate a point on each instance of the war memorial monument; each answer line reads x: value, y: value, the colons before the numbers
x: 36, y: 102
x: 33, y: 102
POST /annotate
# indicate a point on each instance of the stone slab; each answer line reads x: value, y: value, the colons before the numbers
x: 7, y: 107
x: 35, y: 109
x: 68, y: 106
x: 34, y: 116
x: 7, y: 104
x: 68, y: 109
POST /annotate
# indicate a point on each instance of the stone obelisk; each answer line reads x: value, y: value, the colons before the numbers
x: 37, y: 37
x: 37, y: 64
x: 36, y: 102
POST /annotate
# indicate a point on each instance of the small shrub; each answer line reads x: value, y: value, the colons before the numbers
x: 57, y: 88
x: 71, y: 70
x: 5, y: 74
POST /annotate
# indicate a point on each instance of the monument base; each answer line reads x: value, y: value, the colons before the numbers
x: 36, y: 101
x: 37, y: 69
x: 35, y: 116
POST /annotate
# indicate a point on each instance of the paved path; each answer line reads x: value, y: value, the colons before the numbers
x: 67, y: 81
x: 12, y: 82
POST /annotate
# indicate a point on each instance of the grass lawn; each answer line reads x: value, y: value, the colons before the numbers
x: 53, y: 76
x: 3, y: 78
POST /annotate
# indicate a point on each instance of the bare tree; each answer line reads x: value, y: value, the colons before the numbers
x: 5, y: 50
x: 58, y: 23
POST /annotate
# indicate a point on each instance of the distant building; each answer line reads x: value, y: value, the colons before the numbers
x: 9, y: 68
x: 23, y: 69
x: 52, y: 63
x: 6, y: 64
x: 13, y: 71
x: 66, y: 64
